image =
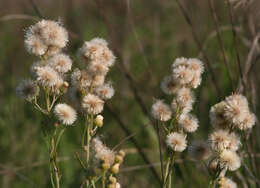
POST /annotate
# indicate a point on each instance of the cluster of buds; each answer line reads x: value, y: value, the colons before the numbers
x: 228, y: 118
x: 186, y: 75
x: 109, y: 161
x: 46, y: 39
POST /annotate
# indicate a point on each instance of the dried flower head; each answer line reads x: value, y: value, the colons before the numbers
x: 230, y: 159
x: 222, y: 139
x: 161, y: 111
x: 176, y: 141
x: 169, y: 86
x: 217, y: 118
x: 226, y: 183
x: 248, y: 122
x: 27, y: 89
x: 183, y: 75
x: 45, y: 38
x: 97, y: 67
x: 80, y: 79
x: 34, y: 45
x: 188, y: 122
x: 98, y: 51
x: 60, y: 62
x: 199, y: 150
x: 236, y: 109
x: 102, y: 152
x: 65, y: 113
x: 105, y: 91
x: 93, y: 104
x: 183, y: 101
x: 187, y: 72
x: 48, y: 77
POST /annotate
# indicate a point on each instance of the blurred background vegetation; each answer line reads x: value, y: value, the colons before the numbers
x: 146, y: 36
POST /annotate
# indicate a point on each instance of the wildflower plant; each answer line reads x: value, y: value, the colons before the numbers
x: 90, y: 82
x: 52, y: 78
x: 48, y: 84
x: 186, y: 76
x: 229, y: 118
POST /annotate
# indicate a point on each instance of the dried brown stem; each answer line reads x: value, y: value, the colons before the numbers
x: 199, y: 44
x: 215, y: 18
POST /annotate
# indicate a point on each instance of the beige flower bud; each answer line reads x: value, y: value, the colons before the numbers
x: 99, y: 120
x: 115, y: 168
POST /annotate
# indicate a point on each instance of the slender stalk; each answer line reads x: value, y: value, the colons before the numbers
x: 221, y: 43
x: 89, y: 129
x: 103, y: 179
x: 198, y: 42
x: 160, y: 148
x: 170, y: 181
x: 93, y: 183
x: 169, y: 170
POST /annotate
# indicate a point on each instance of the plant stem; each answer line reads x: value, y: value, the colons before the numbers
x: 168, y: 172
x: 160, y: 148
x: 103, y: 179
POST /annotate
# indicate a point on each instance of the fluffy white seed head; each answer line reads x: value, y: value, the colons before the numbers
x: 187, y: 72
x: 226, y: 183
x: 53, y: 33
x: 34, y: 44
x: 248, y: 122
x: 102, y: 152
x: 61, y: 63
x: 98, y: 51
x: 176, y: 141
x: 169, y: 86
x: 181, y: 61
x: 188, y: 122
x: 161, y: 111
x: 97, y: 67
x: 45, y: 38
x: 48, y: 77
x: 216, y: 115
x: 97, y: 80
x: 183, y: 75
x: 183, y: 101
x: 93, y: 104
x: 65, y: 113
x: 236, y: 109
x: 105, y: 91
x: 196, y: 65
x: 230, y: 159
x: 80, y: 79
x: 27, y: 89
x: 222, y: 139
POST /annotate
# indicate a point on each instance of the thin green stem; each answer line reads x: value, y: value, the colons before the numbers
x: 169, y: 170
x: 170, y: 181
x: 160, y: 148
x: 103, y: 179
x: 93, y: 183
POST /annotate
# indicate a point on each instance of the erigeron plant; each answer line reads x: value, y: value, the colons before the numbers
x: 46, y: 39
x: 93, y: 89
x: 49, y: 83
x: 228, y: 118
x: 186, y: 75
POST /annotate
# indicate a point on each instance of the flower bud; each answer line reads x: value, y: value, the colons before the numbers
x: 119, y: 159
x: 115, y: 168
x: 112, y: 179
x: 122, y: 153
x: 105, y: 166
x: 99, y: 120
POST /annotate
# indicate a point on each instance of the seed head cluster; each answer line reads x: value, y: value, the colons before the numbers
x: 186, y: 75
x: 228, y: 118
